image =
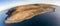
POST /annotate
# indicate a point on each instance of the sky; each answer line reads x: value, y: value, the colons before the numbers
x: 7, y: 4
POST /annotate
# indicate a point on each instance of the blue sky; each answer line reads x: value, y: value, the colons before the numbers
x: 6, y: 4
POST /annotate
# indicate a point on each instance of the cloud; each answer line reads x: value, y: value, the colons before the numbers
x: 9, y: 4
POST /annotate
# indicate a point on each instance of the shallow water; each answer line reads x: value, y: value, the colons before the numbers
x: 46, y: 19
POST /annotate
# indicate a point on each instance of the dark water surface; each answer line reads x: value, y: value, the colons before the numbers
x: 46, y: 19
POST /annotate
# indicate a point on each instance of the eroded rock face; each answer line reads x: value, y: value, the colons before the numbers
x: 24, y: 12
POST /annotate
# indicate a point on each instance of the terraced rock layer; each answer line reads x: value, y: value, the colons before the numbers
x: 25, y: 12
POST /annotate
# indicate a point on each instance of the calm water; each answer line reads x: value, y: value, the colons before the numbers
x: 46, y: 19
